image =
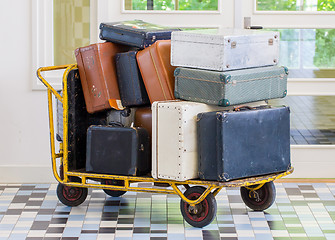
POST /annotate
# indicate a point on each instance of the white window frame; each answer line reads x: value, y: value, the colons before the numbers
x: 43, y: 41
x: 115, y: 11
x: 288, y: 19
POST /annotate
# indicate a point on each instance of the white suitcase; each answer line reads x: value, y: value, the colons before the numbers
x: 174, y: 142
x: 224, y: 49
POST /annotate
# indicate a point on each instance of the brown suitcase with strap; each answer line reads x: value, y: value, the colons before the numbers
x: 156, y: 70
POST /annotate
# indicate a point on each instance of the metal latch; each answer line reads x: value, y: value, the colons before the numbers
x: 233, y: 44
x: 271, y: 41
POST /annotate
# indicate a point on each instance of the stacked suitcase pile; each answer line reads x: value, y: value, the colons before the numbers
x: 128, y: 114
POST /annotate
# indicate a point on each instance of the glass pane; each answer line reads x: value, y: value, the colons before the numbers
x: 195, y: 5
x: 198, y: 5
x: 295, y: 5
x: 71, y: 29
x: 308, y: 53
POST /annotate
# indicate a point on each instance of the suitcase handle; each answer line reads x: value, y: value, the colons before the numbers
x: 239, y: 108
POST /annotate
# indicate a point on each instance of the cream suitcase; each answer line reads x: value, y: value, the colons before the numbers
x: 224, y: 49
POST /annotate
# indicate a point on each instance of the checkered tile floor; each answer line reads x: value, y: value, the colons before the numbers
x: 312, y: 118
x: 301, y: 211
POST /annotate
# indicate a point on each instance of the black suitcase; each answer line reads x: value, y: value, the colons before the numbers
x: 118, y: 150
x: 136, y: 33
x: 245, y: 143
x: 78, y: 122
x: 131, y: 86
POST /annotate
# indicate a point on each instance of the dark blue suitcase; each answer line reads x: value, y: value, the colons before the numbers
x: 118, y: 150
x: 131, y: 86
x: 245, y: 143
x: 136, y: 33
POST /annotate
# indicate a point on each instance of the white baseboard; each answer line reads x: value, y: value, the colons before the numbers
x: 26, y: 174
x: 313, y: 161
x: 309, y: 161
x: 311, y: 87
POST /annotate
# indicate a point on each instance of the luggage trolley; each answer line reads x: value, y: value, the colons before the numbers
x: 198, y: 205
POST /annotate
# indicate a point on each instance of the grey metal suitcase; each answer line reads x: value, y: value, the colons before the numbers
x: 224, y: 49
x: 231, y: 87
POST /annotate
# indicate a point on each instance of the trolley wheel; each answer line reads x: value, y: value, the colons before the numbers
x: 113, y: 193
x: 201, y: 214
x: 71, y: 196
x: 259, y: 199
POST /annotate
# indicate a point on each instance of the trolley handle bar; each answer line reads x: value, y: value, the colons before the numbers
x: 45, y: 82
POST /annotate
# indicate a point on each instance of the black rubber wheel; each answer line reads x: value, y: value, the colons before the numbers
x: 260, y: 199
x: 201, y: 214
x: 113, y: 193
x: 71, y: 196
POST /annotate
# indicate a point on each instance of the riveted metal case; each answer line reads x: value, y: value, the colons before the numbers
x: 224, y: 49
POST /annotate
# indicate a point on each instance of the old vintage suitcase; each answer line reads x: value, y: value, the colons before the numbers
x: 118, y: 150
x: 97, y: 71
x: 245, y: 143
x: 174, y: 139
x: 143, y: 118
x: 224, y: 49
x: 231, y: 87
x: 78, y: 122
x: 131, y: 86
x: 121, y: 118
x: 156, y: 70
x: 135, y: 33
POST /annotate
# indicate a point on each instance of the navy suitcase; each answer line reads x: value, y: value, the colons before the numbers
x: 136, y: 33
x: 78, y: 122
x: 118, y: 150
x: 131, y: 86
x: 245, y: 143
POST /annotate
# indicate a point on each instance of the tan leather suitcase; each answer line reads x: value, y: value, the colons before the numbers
x: 156, y: 70
x: 97, y: 72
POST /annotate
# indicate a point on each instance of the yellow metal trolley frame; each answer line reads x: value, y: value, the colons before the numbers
x: 211, y: 186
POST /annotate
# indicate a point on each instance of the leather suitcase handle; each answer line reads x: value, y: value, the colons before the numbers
x: 239, y: 108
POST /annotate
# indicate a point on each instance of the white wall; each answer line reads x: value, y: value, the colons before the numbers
x: 24, y: 142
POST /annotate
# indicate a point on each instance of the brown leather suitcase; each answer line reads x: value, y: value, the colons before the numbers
x: 156, y: 70
x: 143, y: 119
x: 97, y: 72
